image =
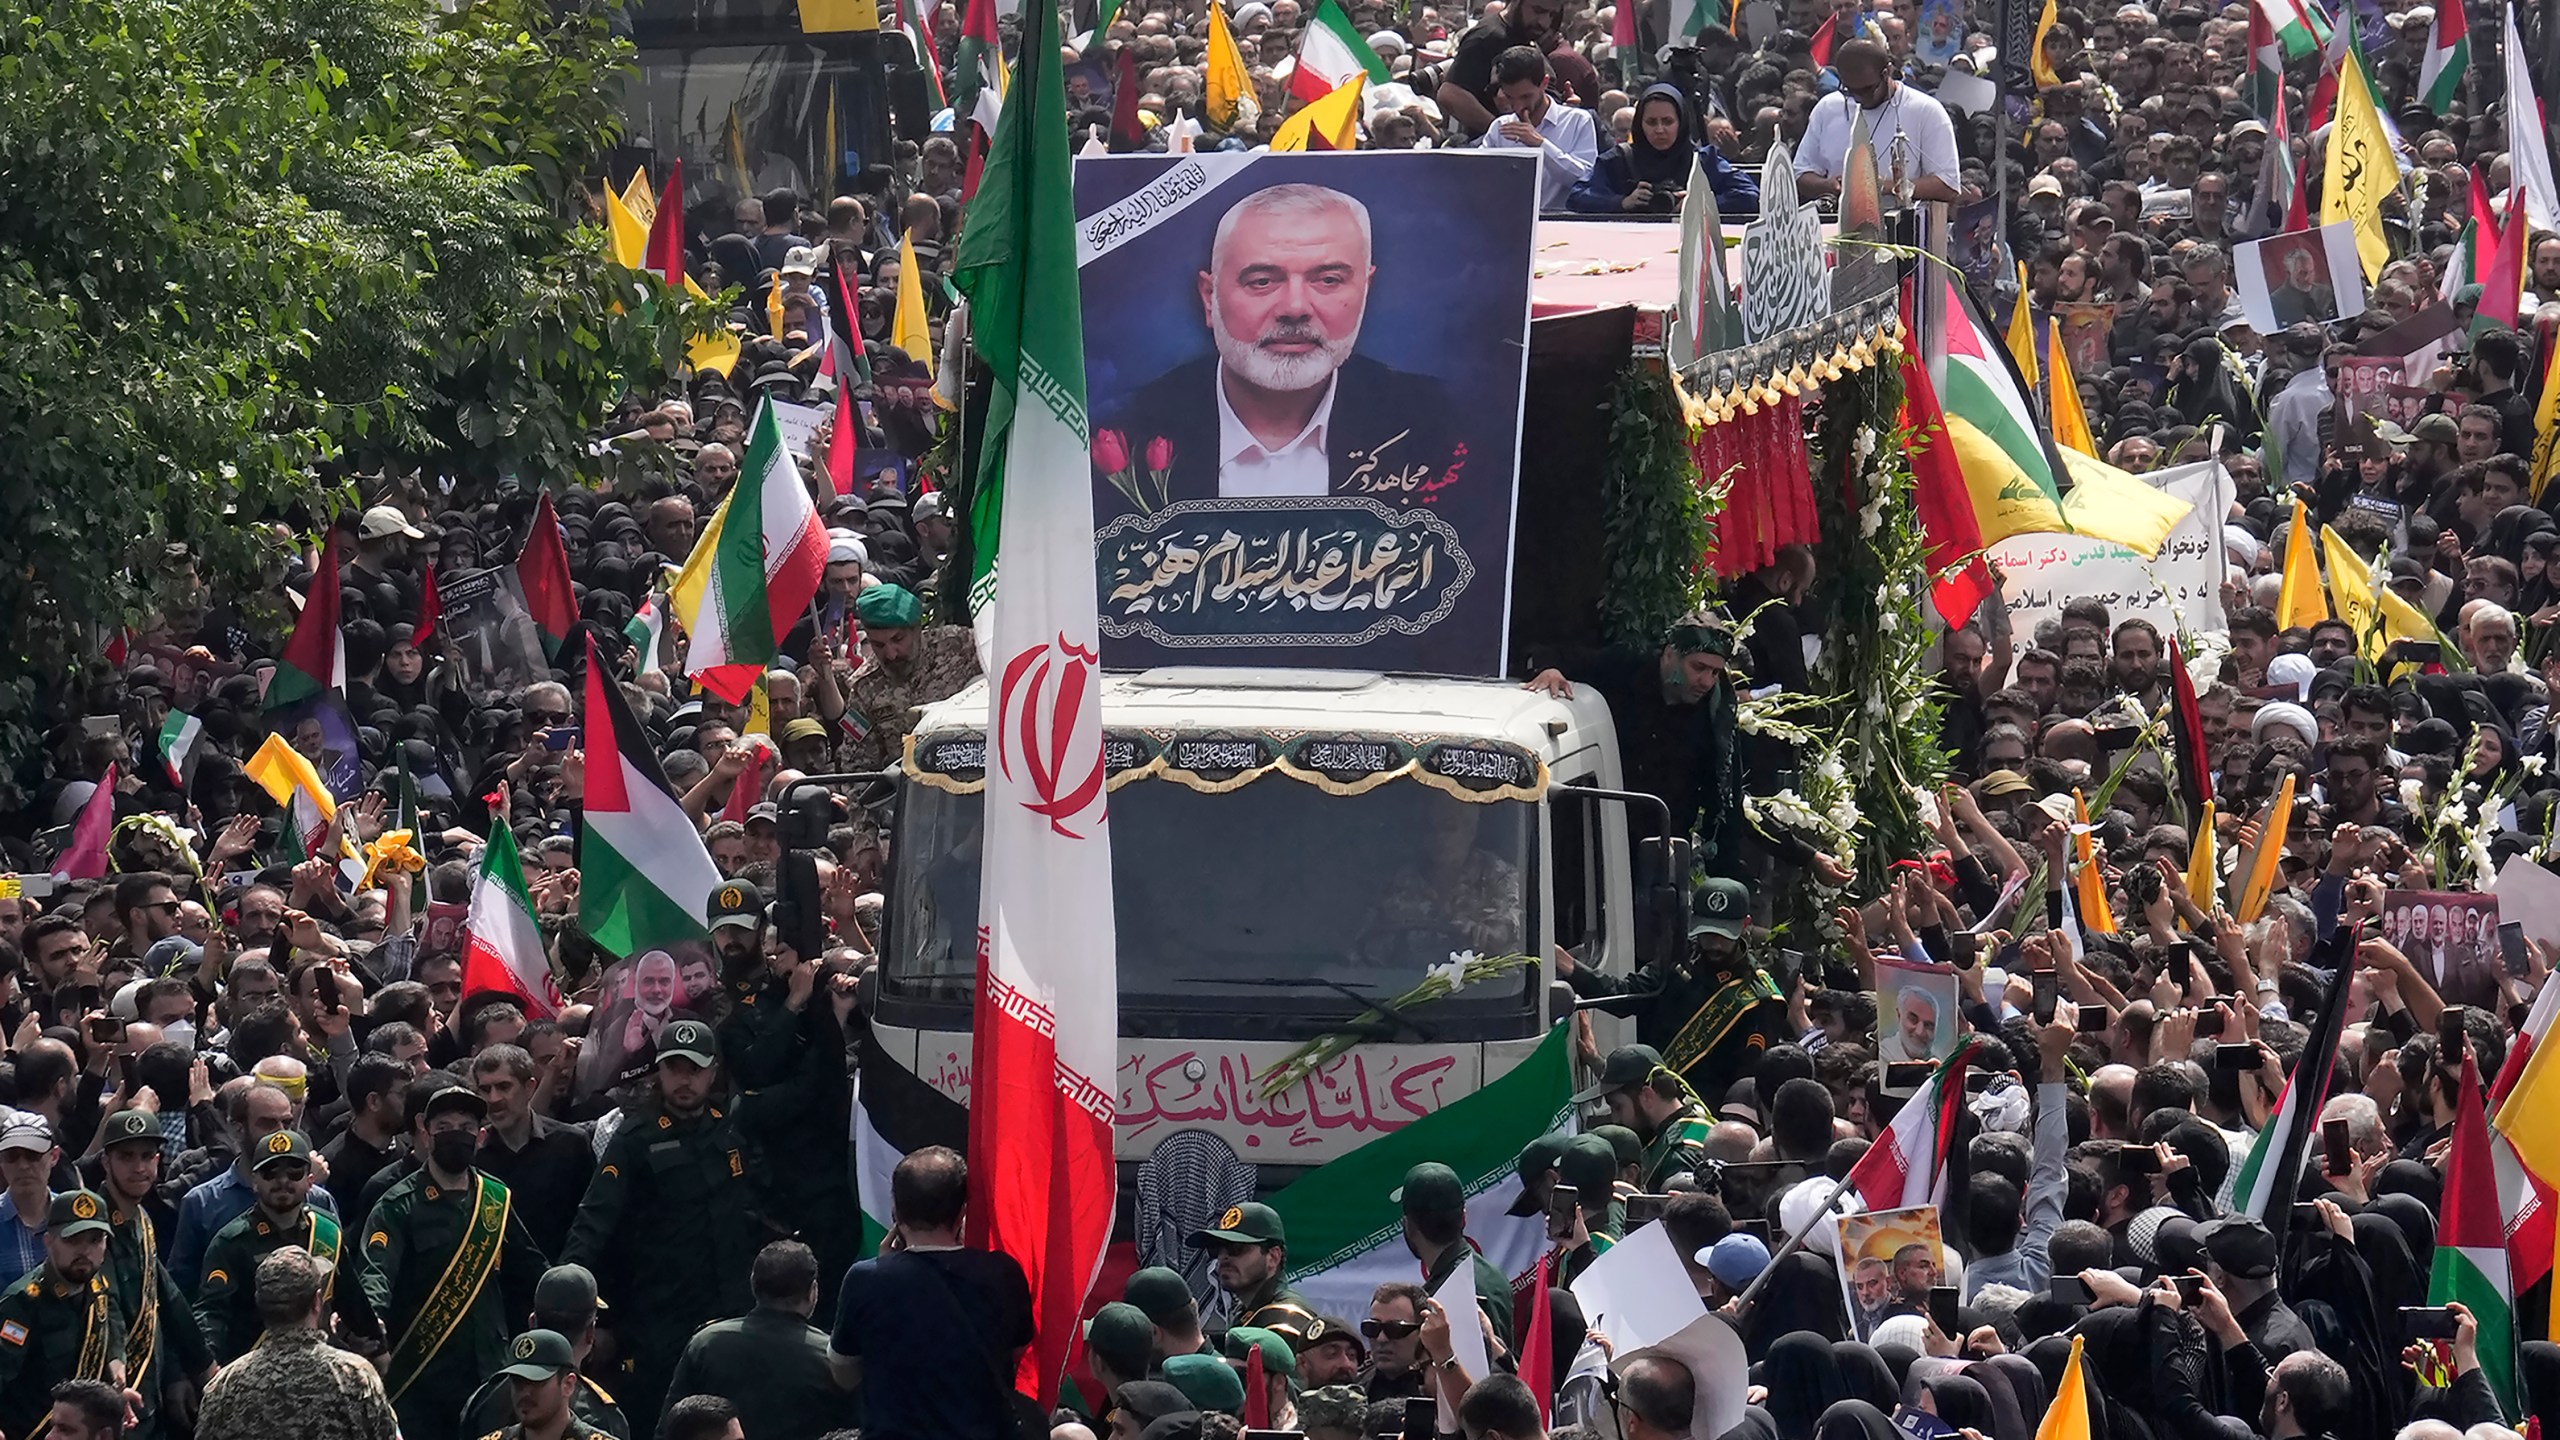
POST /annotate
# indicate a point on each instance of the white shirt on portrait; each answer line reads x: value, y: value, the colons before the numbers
x: 1246, y: 467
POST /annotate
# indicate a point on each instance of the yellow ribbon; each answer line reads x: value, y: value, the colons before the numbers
x: 393, y: 851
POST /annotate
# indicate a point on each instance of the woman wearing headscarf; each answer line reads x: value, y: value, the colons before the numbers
x: 2204, y: 391
x: 2026, y: 1384
x: 1649, y: 173
x: 1803, y: 1381
x: 1855, y: 1420
x: 2538, y: 1376
x: 1865, y: 1374
x: 2157, y: 1373
x: 1801, y: 1293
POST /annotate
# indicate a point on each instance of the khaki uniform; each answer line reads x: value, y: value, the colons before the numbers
x: 52, y: 1330
x: 328, y: 1393
x: 880, y: 702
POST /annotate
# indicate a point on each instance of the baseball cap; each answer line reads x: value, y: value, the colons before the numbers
x: 75, y: 1213
x: 689, y: 1040
x: 1628, y: 1145
x: 1626, y: 1066
x: 1208, y: 1381
x: 1536, y: 1159
x: 2044, y: 185
x: 1162, y: 1293
x: 2002, y: 782
x: 1589, y: 1164
x: 1430, y: 1188
x: 737, y: 903
x: 386, y: 520
x: 804, y: 728
x: 1737, y: 1259
x: 2243, y: 1246
x: 1250, y: 1223
x: 1122, y: 1335
x: 1719, y: 906
x: 766, y: 811
x: 800, y: 260
x: 539, y: 1355
x: 2436, y: 428
x: 2248, y: 127
x: 284, y: 1145
x: 25, y: 1130
x: 127, y: 1126
x: 438, y: 1091
x: 565, y: 1292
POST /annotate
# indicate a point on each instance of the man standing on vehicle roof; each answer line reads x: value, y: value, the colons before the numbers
x: 1711, y: 1010
x: 1646, y: 1096
x: 1252, y: 1262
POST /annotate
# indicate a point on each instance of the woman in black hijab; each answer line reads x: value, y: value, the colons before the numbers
x: 2203, y: 390
x: 2538, y: 1375
x: 1855, y: 1420
x: 1863, y: 1372
x: 1803, y: 1381
x: 1802, y: 1293
x: 1646, y: 174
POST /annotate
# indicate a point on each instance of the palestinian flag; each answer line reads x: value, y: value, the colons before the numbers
x: 645, y: 879
x: 895, y: 1114
x: 2297, y: 26
x: 977, y: 88
x: 1822, y: 40
x: 647, y: 631
x: 2010, y: 469
x: 181, y: 743
x: 314, y: 661
x: 501, y: 945
x: 1344, y: 1238
x: 1907, y: 1164
x: 1959, y: 579
x: 542, y: 576
x: 2448, y: 58
x: 2262, y: 1186
x: 2471, y: 1241
x: 752, y: 574
x: 2263, y: 86
x: 1330, y: 51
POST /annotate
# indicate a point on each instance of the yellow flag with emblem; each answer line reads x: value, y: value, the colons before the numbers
x: 2070, y: 422
x: 2362, y: 172
x: 907, y: 329
x: 2204, y: 868
x: 2300, y: 602
x: 2022, y: 332
x: 1227, y: 99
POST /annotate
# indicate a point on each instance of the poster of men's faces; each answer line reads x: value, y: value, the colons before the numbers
x: 639, y: 996
x: 1889, y: 1260
x: 1917, y: 1014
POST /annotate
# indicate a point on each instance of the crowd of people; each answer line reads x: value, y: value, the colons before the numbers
x: 271, y: 1172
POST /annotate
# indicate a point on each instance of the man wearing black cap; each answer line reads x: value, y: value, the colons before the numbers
x: 542, y: 1370
x: 1711, y: 1010
x: 61, y: 1322
x: 444, y: 1267
x: 226, y: 1305
x: 164, y: 1341
x: 1433, y: 1204
x: 758, y: 1016
x: 670, y: 1223
x: 2240, y: 1260
x: 1252, y: 1262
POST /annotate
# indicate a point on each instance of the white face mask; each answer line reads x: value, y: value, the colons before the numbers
x: 180, y: 1032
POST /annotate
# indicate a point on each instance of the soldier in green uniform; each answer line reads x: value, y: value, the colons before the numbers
x: 445, y: 1265
x: 1712, y: 1011
x: 1590, y: 1166
x: 1433, y: 1202
x: 770, y: 1362
x: 754, y: 1033
x: 61, y: 1322
x: 1645, y: 1096
x: 543, y: 1371
x: 1252, y: 1262
x: 906, y: 665
x: 564, y: 1301
x: 671, y: 1224
x: 163, y: 1341
x: 227, y: 1302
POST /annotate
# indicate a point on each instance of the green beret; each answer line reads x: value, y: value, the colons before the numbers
x: 1211, y: 1383
x: 887, y: 606
x: 1277, y: 1357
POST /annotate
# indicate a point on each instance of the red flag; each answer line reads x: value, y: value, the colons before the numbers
x: 847, y: 320
x: 314, y: 661
x: 430, y: 608
x: 542, y: 572
x: 1257, y: 1385
x: 1537, y: 1343
x: 85, y: 858
x: 118, y: 647
x: 2195, y: 775
x: 1945, y: 505
x: 1822, y: 42
x: 666, y: 234
x: 2502, y: 280
x: 1128, y: 132
x: 845, y: 436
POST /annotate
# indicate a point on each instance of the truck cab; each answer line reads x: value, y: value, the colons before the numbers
x: 1289, y: 848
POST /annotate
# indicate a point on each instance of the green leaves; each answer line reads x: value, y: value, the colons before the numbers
x: 1655, y: 521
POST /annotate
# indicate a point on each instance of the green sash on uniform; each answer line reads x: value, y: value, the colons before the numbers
x: 1715, y: 1019
x: 456, y: 1291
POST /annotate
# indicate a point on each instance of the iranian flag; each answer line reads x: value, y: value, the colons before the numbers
x: 2521, y: 1097
x: 755, y: 569
x: 1330, y: 52
x: 977, y: 89
x: 2448, y: 58
x: 1047, y: 1029
x: 644, y: 878
x: 181, y: 739
x: 1907, y: 1164
x: 1343, y: 1237
x: 2471, y: 1241
x: 501, y: 945
x: 542, y: 576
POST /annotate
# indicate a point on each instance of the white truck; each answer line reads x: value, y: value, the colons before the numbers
x: 1290, y: 847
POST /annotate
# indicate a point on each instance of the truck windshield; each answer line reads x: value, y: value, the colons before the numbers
x: 750, y: 105
x: 1275, y: 899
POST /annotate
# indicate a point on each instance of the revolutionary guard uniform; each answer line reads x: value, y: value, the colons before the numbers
x: 565, y: 1302
x: 162, y: 1337
x: 670, y: 1225
x: 54, y: 1328
x: 1253, y: 1223
x: 1680, y: 1142
x: 543, y: 1355
x: 1712, y: 1011
x: 1432, y: 1188
x: 227, y: 1302
x: 881, y: 698
x: 445, y: 1270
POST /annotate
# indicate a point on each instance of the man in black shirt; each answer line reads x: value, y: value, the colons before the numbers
x: 546, y: 1165
x: 1466, y: 89
x: 375, y: 1102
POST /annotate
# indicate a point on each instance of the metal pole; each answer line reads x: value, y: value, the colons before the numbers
x: 1795, y: 1242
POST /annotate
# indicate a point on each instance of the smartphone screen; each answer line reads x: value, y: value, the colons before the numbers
x: 2048, y: 994
x: 2208, y: 1023
x: 2072, y: 1290
x: 2511, y: 950
x: 1942, y: 1310
x: 1421, y: 1417
x: 1562, y: 1200
x: 2449, y: 1039
x: 2427, y: 1322
x: 2182, y: 964
x: 2338, y: 1155
x: 2237, y: 1057
x: 2094, y: 1019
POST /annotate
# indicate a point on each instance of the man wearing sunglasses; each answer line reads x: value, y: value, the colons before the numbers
x: 1252, y: 1261
x: 1394, y: 1371
x: 147, y: 908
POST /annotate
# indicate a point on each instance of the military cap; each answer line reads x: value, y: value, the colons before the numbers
x: 689, y: 1040
x: 1162, y: 1294
x: 1430, y: 1188
x: 1719, y: 906
x: 1210, y: 1381
x: 539, y: 1355
x: 1628, y: 1145
x: 127, y: 1126
x: 1247, y: 1341
x: 1122, y: 1335
x: 76, y: 1213
x: 1250, y: 1223
x: 1589, y: 1164
x: 1537, y: 1158
x: 1627, y: 1067
x: 736, y: 903
x: 282, y: 1146
x: 888, y: 607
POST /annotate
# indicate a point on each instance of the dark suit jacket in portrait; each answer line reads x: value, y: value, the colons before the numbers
x: 1391, y: 433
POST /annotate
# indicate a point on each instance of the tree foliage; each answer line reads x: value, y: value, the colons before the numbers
x: 250, y: 245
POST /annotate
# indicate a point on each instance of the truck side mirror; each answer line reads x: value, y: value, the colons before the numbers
x: 1661, y: 882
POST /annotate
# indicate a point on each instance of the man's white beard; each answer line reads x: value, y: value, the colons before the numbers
x: 1266, y: 370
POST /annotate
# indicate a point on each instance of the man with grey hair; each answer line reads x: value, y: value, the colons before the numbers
x: 294, y: 1382
x: 1282, y: 404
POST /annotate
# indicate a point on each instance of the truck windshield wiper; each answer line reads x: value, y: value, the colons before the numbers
x: 1396, y: 1021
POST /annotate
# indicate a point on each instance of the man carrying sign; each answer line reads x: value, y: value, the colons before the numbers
x: 445, y: 1264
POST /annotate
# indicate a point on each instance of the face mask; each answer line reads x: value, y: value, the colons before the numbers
x: 453, y: 1150
x: 181, y: 1033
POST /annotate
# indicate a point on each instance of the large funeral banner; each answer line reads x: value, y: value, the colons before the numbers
x: 2178, y: 589
x: 1305, y: 374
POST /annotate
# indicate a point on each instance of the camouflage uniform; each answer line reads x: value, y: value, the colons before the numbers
x: 880, y: 701
x: 330, y: 1394
x: 1485, y: 904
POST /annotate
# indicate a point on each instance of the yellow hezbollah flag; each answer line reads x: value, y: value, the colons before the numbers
x: 773, y: 307
x: 2089, y: 891
x: 2258, y: 880
x: 908, y: 331
x: 2039, y: 67
x: 2067, y: 1418
x: 624, y: 226
x: 717, y: 351
x: 2204, y: 866
x: 2351, y: 591
x: 2105, y: 503
x: 759, y: 711
x: 1329, y: 122
x: 2546, y: 437
x: 1227, y: 92
x: 2362, y: 172
x: 640, y: 199
x: 284, y: 773
x: 2300, y: 602
x: 2022, y: 332
x: 2070, y: 422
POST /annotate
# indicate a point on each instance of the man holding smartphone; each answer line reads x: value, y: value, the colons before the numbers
x: 2240, y: 1260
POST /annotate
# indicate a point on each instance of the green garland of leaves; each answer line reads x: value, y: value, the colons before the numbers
x: 1656, y: 519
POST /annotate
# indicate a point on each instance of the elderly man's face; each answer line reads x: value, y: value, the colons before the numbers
x: 1285, y: 294
x: 670, y: 525
x: 2493, y: 642
x: 717, y: 469
x: 657, y: 982
x: 1918, y: 1017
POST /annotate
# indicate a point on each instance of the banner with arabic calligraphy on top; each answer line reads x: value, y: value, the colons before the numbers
x: 1305, y: 372
x: 2178, y: 589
